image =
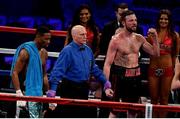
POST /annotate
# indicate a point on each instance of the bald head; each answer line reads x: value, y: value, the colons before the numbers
x: 78, y: 33
x: 76, y: 29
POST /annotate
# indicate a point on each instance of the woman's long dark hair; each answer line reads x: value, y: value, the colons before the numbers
x: 171, y: 31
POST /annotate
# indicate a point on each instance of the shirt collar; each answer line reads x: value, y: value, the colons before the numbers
x: 76, y: 46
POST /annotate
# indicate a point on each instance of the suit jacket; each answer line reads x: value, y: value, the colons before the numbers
x: 108, y: 31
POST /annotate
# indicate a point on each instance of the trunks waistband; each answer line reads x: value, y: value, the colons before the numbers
x: 129, y: 72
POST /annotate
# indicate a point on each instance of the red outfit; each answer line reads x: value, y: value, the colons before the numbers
x: 165, y: 49
x: 165, y: 72
x: 90, y: 37
x: 165, y: 46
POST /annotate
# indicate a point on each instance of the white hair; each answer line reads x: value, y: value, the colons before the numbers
x: 76, y: 29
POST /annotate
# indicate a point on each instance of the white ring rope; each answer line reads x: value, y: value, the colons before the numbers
x: 12, y: 51
x: 50, y: 54
x: 56, y: 54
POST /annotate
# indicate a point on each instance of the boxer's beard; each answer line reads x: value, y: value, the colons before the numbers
x: 131, y: 29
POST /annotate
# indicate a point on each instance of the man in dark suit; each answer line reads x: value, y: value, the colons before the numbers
x: 110, y: 28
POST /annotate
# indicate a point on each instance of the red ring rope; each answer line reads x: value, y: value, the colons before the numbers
x: 29, y: 30
x: 91, y: 103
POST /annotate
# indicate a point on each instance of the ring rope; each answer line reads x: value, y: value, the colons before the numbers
x: 12, y: 51
x: 50, y: 54
x: 91, y: 103
x: 29, y: 31
x: 32, y: 31
x: 4, y: 72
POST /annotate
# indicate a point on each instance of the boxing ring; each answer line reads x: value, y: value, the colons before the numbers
x: 146, y: 108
